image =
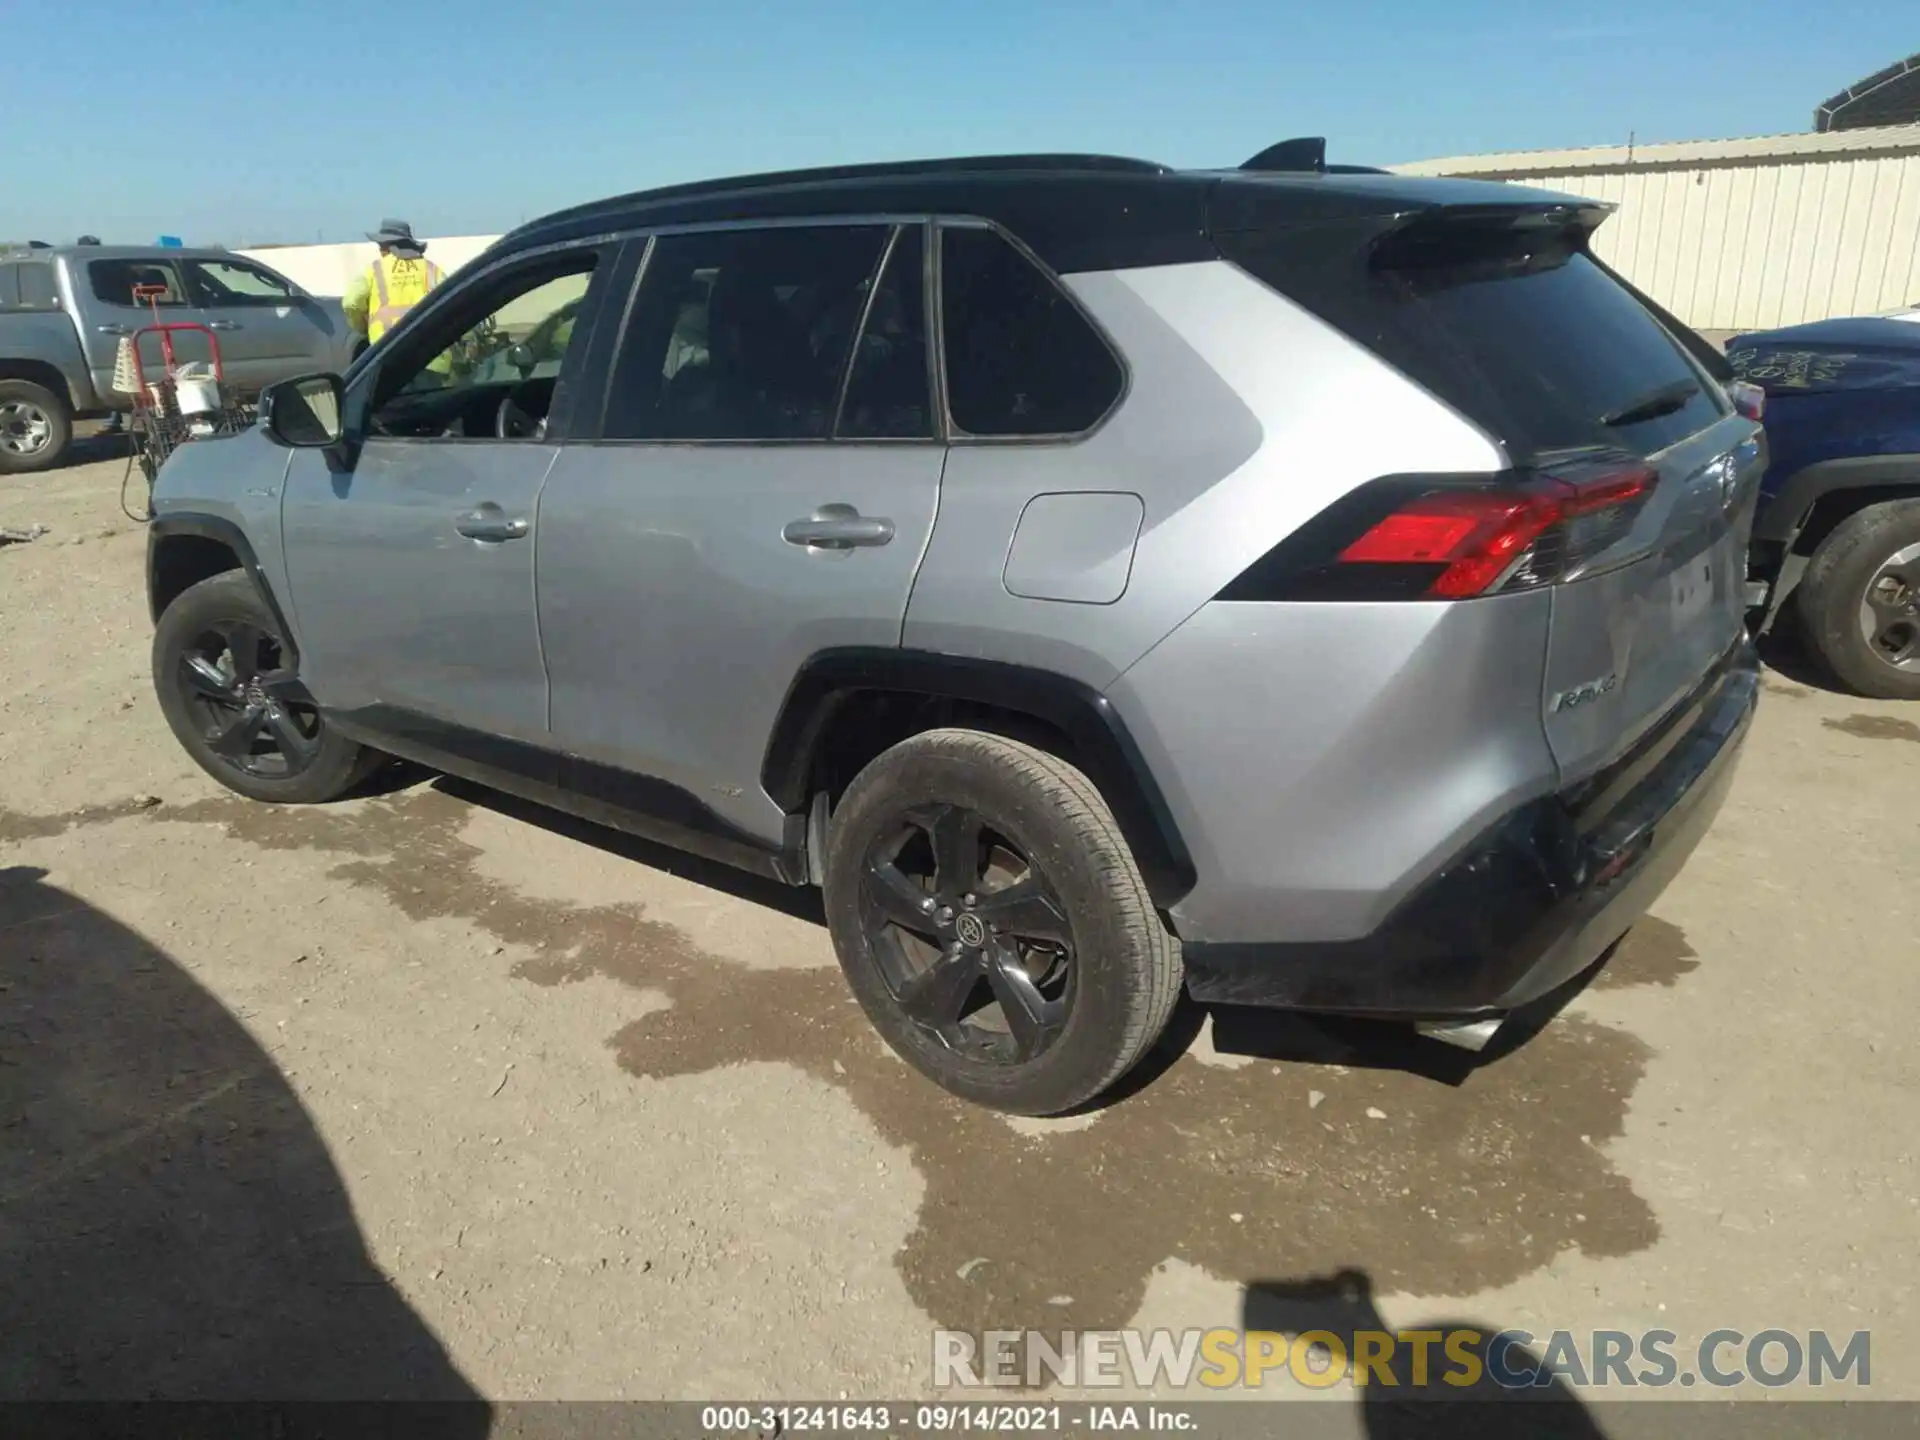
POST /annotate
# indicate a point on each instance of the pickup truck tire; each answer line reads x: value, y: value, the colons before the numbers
x: 36, y: 427
x: 235, y: 708
x: 1860, y: 601
x: 993, y: 924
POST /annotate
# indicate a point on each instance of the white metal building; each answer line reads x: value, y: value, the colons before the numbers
x: 1745, y: 234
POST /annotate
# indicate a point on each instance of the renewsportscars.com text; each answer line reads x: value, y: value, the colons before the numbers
x: 1463, y: 1358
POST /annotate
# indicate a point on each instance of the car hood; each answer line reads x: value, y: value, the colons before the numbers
x: 1870, y: 353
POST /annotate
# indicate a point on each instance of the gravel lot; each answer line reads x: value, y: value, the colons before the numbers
x: 431, y: 1092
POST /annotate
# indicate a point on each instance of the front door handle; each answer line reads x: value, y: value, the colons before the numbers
x: 223, y: 324
x: 114, y: 329
x: 489, y: 522
x: 838, y: 527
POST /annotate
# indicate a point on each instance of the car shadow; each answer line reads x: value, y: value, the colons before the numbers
x: 1287, y: 1036
x: 1445, y: 1389
x: 172, y: 1226
x: 1278, y: 1036
x: 95, y: 445
x: 1784, y: 651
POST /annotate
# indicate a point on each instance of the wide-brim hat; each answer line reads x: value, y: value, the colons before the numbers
x: 397, y: 233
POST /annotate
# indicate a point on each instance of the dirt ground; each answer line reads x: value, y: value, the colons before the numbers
x: 433, y: 1093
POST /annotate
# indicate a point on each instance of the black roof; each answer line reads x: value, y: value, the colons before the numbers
x: 1078, y: 212
x: 1886, y: 97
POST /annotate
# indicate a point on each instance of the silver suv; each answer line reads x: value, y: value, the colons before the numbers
x: 1308, y: 586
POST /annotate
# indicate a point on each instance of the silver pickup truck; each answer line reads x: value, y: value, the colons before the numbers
x: 64, y: 310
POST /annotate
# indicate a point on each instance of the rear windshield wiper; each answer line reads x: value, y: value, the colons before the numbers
x: 1655, y: 403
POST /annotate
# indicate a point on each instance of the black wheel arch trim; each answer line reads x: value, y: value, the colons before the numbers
x: 1786, y: 512
x: 227, y: 533
x: 1084, y: 715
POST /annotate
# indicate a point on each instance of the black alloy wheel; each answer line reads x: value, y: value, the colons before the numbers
x: 992, y: 922
x: 970, y: 936
x: 254, y: 713
x: 228, y: 685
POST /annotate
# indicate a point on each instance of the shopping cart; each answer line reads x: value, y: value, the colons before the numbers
x: 186, y: 401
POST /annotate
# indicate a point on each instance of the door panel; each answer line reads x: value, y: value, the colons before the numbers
x: 400, y: 597
x: 675, y: 613
x: 110, y: 310
x: 267, y: 332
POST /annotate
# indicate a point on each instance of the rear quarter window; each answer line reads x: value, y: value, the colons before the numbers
x: 28, y: 285
x: 1021, y: 358
x: 38, y: 290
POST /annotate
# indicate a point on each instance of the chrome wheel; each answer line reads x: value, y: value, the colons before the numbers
x: 1890, y: 611
x: 25, y: 429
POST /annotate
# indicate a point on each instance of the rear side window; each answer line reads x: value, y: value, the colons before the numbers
x: 1021, y: 357
x: 1521, y: 332
x: 115, y: 282
x: 38, y: 290
x: 744, y: 334
x: 28, y: 285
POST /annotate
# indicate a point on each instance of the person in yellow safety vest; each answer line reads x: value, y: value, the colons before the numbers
x: 397, y: 280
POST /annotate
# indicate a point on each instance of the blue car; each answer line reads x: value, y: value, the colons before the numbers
x: 1837, y: 537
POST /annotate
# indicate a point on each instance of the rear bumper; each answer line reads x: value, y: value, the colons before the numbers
x: 1533, y: 901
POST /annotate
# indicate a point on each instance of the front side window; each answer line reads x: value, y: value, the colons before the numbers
x: 744, y: 334
x: 1021, y: 357
x: 223, y: 283
x: 136, y: 283
x: 489, y: 363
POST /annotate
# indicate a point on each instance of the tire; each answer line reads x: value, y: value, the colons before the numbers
x: 1110, y: 985
x: 215, y: 623
x: 1851, y: 561
x: 36, y: 428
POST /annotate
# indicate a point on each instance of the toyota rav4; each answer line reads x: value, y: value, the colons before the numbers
x: 1304, y: 585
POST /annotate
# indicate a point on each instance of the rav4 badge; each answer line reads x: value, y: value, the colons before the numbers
x: 1584, y: 694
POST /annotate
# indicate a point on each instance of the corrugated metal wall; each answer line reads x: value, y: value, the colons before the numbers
x: 328, y: 269
x: 1727, y: 244
x: 1752, y: 246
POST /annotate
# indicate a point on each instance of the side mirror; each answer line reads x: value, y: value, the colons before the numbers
x: 521, y: 358
x: 303, y: 414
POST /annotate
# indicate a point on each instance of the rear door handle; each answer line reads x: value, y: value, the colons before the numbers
x: 488, y: 522
x: 838, y: 527
x: 223, y: 324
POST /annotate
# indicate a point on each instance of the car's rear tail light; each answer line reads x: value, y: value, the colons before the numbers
x: 1453, y: 537
x: 1480, y: 541
x: 1749, y: 399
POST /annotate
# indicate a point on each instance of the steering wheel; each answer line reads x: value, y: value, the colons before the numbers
x: 512, y: 421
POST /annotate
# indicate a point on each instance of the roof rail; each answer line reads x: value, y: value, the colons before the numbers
x: 960, y: 165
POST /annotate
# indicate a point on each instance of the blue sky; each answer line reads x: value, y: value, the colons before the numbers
x: 233, y: 122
